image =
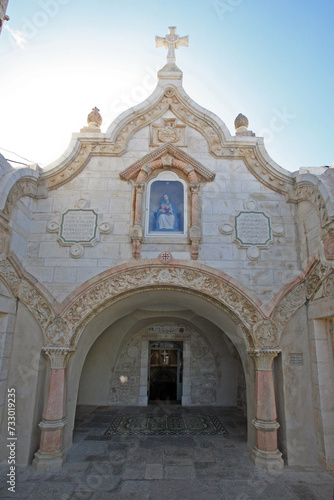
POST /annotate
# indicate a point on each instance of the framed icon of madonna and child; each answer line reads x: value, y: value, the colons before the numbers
x: 166, y: 208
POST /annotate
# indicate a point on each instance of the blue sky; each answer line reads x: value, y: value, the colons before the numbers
x: 270, y: 60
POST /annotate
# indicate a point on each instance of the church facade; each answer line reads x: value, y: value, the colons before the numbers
x: 167, y: 259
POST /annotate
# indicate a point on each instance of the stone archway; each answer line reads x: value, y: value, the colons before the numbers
x: 131, y: 316
x: 70, y: 326
x: 206, y: 307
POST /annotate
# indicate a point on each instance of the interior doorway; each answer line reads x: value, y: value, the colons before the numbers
x: 165, y: 373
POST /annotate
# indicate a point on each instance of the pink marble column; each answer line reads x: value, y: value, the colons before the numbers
x: 50, y: 455
x: 265, y: 453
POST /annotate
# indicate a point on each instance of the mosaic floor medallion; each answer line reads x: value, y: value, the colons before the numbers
x: 166, y: 425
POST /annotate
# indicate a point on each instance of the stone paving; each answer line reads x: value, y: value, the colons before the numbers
x: 165, y: 467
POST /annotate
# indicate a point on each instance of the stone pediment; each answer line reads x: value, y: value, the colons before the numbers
x: 170, y: 98
x: 171, y: 157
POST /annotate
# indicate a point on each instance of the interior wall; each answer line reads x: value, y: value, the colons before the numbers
x: 214, y: 368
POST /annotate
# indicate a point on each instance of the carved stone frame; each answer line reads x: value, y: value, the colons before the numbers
x: 167, y: 158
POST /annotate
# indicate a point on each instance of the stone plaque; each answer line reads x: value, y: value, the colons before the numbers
x: 79, y: 226
x: 296, y: 359
x: 253, y: 228
x: 166, y: 329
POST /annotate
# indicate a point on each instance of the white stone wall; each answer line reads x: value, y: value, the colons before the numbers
x: 7, y: 325
x: 112, y: 197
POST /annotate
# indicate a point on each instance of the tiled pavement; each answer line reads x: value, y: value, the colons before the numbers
x: 165, y: 467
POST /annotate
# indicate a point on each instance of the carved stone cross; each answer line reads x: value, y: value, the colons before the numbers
x: 171, y: 41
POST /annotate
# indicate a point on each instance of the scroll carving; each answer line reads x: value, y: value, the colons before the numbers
x: 23, y: 187
x: 308, y: 192
x: 288, y: 306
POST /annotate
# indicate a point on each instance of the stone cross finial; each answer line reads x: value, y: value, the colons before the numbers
x: 171, y: 41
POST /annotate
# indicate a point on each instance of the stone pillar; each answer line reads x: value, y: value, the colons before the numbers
x: 136, y: 233
x: 265, y: 453
x: 139, y: 187
x: 195, y: 229
x: 194, y: 189
x: 51, y: 456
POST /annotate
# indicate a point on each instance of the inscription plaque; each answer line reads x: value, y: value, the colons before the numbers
x: 296, y: 359
x: 166, y: 329
x: 253, y: 228
x: 78, y: 226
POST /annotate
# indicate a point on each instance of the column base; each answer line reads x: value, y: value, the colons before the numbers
x: 49, y: 461
x: 268, y: 460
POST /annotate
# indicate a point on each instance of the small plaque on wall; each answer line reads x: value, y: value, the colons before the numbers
x: 296, y: 359
x: 253, y: 228
x: 79, y: 226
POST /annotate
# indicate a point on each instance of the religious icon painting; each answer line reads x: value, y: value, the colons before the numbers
x: 166, y: 207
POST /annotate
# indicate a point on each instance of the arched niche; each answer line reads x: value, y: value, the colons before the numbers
x: 166, y: 206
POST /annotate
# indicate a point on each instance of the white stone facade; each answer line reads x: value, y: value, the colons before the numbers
x: 249, y: 270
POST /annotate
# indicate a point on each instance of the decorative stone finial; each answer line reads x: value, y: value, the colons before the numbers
x: 241, y: 125
x: 241, y: 121
x: 171, y: 41
x: 94, y: 119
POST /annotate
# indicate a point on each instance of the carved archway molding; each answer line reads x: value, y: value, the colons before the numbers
x: 62, y: 324
x: 312, y: 189
x: 23, y: 182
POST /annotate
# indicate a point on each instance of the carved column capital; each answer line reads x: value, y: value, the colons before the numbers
x: 195, y: 187
x: 139, y: 186
x: 58, y: 356
x: 264, y: 357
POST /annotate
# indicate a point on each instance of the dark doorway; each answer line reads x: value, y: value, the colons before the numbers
x: 165, y: 375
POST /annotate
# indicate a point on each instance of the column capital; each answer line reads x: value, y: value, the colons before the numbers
x: 139, y: 187
x: 264, y: 357
x: 58, y: 356
x: 195, y: 187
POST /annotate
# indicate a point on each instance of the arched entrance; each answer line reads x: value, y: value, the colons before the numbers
x: 114, y: 366
x: 169, y: 357
x: 119, y: 303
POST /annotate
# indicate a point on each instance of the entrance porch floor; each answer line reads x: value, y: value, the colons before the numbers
x: 165, y: 467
